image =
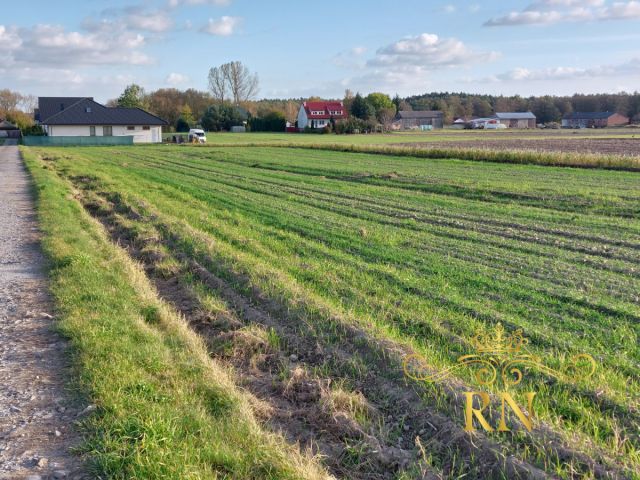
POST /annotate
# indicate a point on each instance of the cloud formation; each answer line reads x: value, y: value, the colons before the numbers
x: 52, y: 45
x: 630, y: 67
x: 428, y: 51
x: 547, y: 12
x: 223, y: 26
x: 175, y: 79
x: 218, y: 3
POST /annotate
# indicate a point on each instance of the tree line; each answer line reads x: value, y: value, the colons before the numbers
x: 233, y: 88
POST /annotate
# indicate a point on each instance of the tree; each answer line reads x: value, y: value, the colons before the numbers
x: 362, y: 109
x: 132, y: 97
x: 379, y: 101
x: 182, y: 125
x: 397, y: 101
x: 271, y: 122
x: 386, y: 116
x: 545, y: 110
x: 242, y: 83
x: 187, y: 115
x: 222, y: 117
x: 233, y: 81
x: 218, y: 82
x: 9, y: 101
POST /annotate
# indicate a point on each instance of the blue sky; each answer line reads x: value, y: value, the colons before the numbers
x: 91, y: 47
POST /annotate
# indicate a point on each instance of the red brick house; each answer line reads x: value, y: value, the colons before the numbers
x: 320, y: 114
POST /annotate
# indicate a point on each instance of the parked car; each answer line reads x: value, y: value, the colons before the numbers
x: 197, y: 135
x: 494, y: 126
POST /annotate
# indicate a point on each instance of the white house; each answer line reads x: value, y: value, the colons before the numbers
x: 320, y: 114
x: 84, y: 117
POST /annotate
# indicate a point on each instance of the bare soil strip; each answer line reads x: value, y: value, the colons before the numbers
x: 608, y: 146
x: 36, y: 413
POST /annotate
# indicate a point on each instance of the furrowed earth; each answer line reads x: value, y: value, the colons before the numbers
x: 309, y: 276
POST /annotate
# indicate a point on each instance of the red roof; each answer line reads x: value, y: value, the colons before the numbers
x: 326, y: 108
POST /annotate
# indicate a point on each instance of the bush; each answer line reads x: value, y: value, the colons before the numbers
x: 223, y: 117
x: 182, y: 125
x: 33, y: 131
x: 271, y: 122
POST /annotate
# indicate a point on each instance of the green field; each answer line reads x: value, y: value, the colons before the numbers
x: 312, y: 274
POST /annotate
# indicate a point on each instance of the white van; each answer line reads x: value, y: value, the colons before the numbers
x: 196, y: 134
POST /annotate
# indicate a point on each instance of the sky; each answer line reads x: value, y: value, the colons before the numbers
x: 301, y: 49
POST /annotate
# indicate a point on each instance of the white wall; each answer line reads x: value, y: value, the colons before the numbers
x: 153, y: 135
x: 303, y: 120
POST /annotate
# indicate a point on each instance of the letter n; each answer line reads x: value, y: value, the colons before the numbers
x: 470, y: 411
x: 526, y: 421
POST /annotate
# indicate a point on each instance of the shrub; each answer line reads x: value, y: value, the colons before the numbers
x: 182, y: 125
x: 34, y: 131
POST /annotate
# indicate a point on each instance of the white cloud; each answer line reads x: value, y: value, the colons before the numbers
x: 546, y: 12
x: 218, y: 3
x: 351, y: 58
x: 133, y: 18
x: 449, y: 8
x: 223, y: 26
x: 175, y: 79
x: 52, y: 45
x: 428, y: 51
x: 630, y: 67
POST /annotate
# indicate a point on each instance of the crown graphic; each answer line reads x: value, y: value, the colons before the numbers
x: 498, y: 341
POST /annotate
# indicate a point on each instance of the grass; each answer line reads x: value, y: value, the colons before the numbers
x: 418, y: 255
x: 165, y: 409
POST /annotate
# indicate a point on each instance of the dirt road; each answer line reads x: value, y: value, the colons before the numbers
x: 36, y: 414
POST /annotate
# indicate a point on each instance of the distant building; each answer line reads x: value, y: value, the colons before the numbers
x: 593, y: 120
x: 320, y: 114
x: 84, y: 117
x: 8, y: 129
x: 409, y: 120
x: 516, y: 119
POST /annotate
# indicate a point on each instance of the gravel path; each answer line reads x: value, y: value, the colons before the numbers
x: 36, y: 413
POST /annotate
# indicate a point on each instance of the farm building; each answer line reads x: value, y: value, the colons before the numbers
x: 320, y: 114
x: 407, y: 120
x: 517, y: 119
x: 84, y: 117
x: 593, y: 120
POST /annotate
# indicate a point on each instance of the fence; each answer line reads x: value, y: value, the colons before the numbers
x: 33, y: 141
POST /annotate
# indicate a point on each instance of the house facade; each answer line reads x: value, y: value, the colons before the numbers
x: 516, y: 119
x: 410, y: 120
x: 594, y: 120
x: 320, y: 114
x: 84, y: 117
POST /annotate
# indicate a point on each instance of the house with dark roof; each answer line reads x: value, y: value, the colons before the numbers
x: 516, y: 119
x: 411, y: 120
x: 594, y: 120
x: 84, y: 117
x: 320, y: 114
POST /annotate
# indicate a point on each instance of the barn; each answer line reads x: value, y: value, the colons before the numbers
x: 517, y: 119
x: 593, y: 120
x: 407, y: 120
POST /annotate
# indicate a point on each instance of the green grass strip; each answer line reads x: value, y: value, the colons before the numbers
x: 164, y: 408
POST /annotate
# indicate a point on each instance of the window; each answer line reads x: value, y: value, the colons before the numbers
x: 107, y: 131
x: 92, y: 131
x: 88, y: 109
x: 131, y: 127
x: 146, y: 127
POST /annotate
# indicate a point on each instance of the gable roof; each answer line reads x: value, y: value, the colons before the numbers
x: 325, y: 108
x: 515, y: 116
x: 411, y: 114
x: 89, y: 112
x: 588, y: 115
x: 49, y: 106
